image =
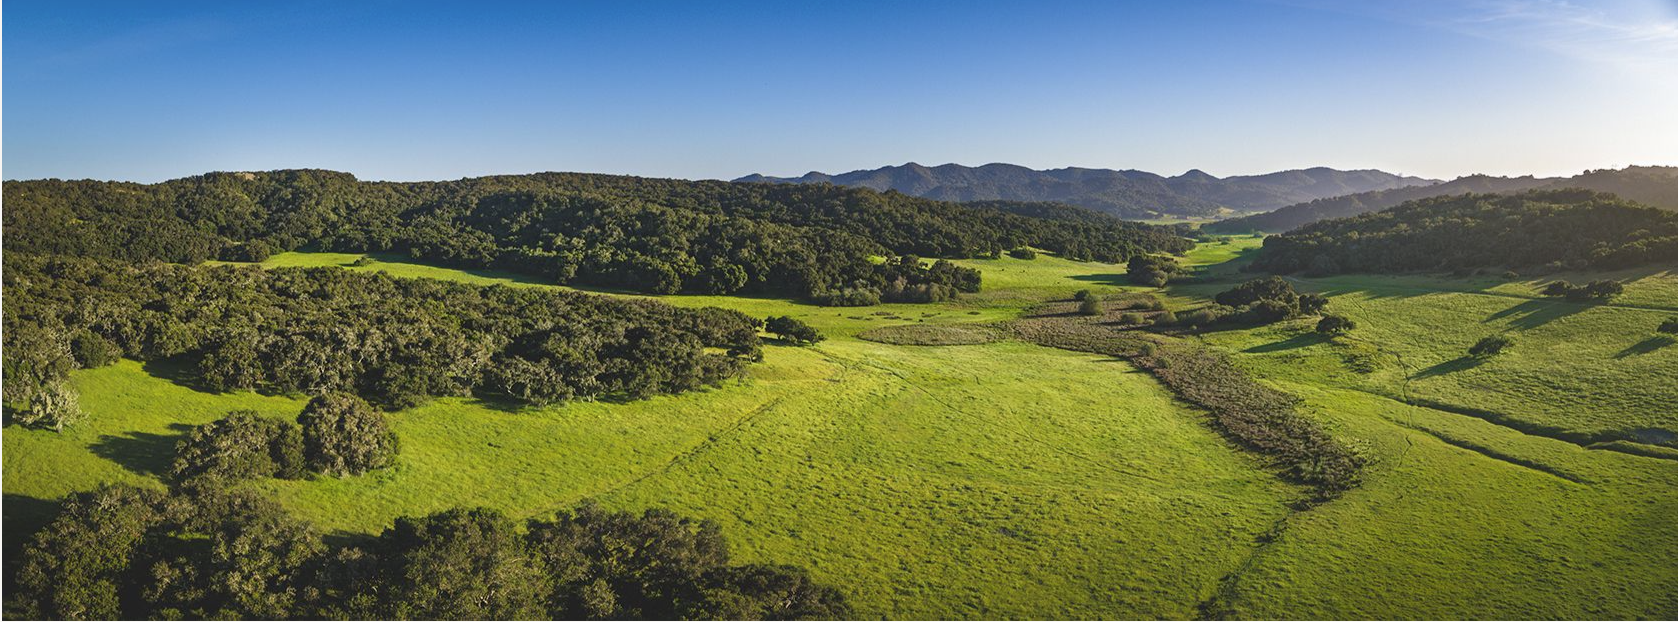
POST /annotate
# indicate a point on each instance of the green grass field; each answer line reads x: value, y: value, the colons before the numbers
x: 1007, y: 480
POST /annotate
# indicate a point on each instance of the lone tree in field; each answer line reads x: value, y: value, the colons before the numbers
x: 1490, y: 346
x: 1669, y: 327
x: 1090, y: 305
x: 1023, y: 253
x: 793, y: 330
x: 1082, y: 294
x: 344, y: 435
x: 1335, y: 325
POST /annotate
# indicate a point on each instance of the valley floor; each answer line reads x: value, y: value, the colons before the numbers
x: 1008, y: 480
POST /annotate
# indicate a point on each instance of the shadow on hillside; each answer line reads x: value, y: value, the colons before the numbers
x: 1535, y: 313
x: 24, y: 515
x: 1114, y: 279
x: 1646, y: 346
x: 1297, y: 341
x: 177, y: 370
x: 1448, y: 367
x: 143, y: 453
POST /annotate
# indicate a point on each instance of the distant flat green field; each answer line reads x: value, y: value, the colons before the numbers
x: 1006, y: 480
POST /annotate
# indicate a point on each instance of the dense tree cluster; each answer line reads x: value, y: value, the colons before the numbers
x: 1152, y: 270
x: 337, y: 434
x: 394, y: 341
x: 651, y: 235
x: 209, y: 553
x: 1553, y: 229
x: 1597, y: 291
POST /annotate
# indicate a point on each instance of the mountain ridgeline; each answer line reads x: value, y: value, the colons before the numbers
x: 648, y: 235
x: 1127, y: 194
x: 1653, y: 185
x: 1569, y: 229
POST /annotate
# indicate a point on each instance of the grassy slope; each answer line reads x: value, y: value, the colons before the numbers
x: 1005, y: 480
x: 999, y: 480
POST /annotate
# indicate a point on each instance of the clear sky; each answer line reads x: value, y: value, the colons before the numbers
x: 407, y: 90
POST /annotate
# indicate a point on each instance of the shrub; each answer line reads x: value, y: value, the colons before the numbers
x: 1335, y: 325
x: 1165, y: 318
x: 1023, y: 253
x: 343, y: 435
x: 1090, y: 306
x: 1490, y: 346
x: 1132, y: 319
x: 793, y: 330
x: 1601, y: 291
x: 1152, y: 271
x: 242, y: 445
x: 1670, y: 326
x: 1082, y: 294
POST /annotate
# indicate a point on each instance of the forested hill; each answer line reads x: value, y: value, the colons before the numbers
x: 653, y: 235
x: 1127, y: 194
x: 1293, y: 216
x: 1549, y: 229
x: 1651, y: 185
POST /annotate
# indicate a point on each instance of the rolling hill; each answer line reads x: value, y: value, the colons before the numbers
x: 1653, y: 185
x: 1127, y: 193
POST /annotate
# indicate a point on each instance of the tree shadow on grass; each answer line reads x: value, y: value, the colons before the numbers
x: 143, y: 453
x: 1447, y: 367
x: 1646, y: 346
x: 1112, y: 278
x: 1297, y: 341
x: 1535, y: 313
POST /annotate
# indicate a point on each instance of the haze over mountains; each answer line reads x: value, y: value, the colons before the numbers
x: 1651, y: 185
x: 1127, y: 193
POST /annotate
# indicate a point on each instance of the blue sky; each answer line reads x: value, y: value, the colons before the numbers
x: 148, y: 91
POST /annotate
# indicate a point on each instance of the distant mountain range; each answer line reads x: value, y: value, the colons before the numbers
x: 1127, y: 194
x: 1651, y: 185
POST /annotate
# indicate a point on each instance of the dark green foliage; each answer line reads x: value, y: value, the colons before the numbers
x: 91, y: 350
x: 211, y: 553
x: 1595, y: 291
x: 1081, y: 294
x: 38, y: 359
x: 393, y: 341
x: 617, y: 565
x: 77, y: 567
x: 1152, y: 271
x: 1269, y: 288
x: 1573, y: 229
x: 1670, y: 326
x: 242, y: 445
x: 1490, y: 346
x: 1335, y: 325
x: 458, y: 565
x: 1264, y: 301
x: 344, y: 435
x: 1090, y: 305
x: 652, y: 235
x: 793, y: 330
x: 1023, y: 253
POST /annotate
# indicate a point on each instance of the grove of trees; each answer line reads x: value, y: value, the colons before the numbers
x: 648, y: 235
x: 1549, y: 230
x: 209, y: 552
x: 395, y: 342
